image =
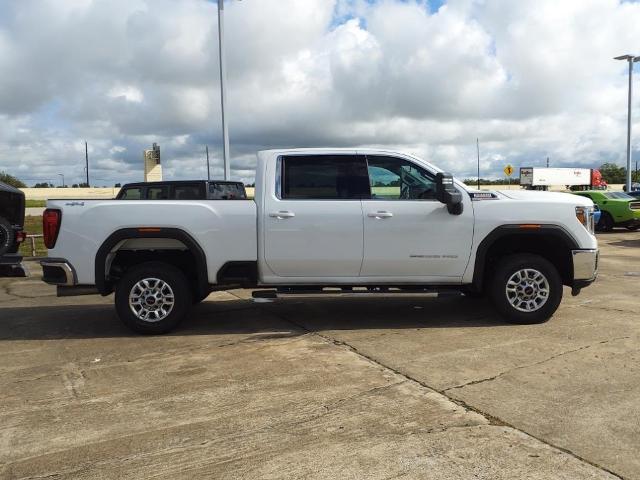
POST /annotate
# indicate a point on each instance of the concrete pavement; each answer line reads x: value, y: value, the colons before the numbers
x: 414, y: 387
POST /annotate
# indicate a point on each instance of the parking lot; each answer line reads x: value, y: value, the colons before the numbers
x: 410, y: 387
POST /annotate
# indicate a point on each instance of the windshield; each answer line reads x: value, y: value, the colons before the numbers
x: 618, y: 196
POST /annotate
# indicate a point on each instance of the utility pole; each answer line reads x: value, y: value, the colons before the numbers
x: 631, y: 59
x: 208, y: 171
x: 547, y: 162
x: 223, y: 93
x: 86, y: 159
x: 478, y: 151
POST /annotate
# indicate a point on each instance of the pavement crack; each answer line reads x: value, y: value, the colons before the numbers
x: 519, y: 367
x: 490, y: 418
x: 289, y: 337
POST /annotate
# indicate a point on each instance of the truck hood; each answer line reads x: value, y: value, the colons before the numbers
x: 546, y: 197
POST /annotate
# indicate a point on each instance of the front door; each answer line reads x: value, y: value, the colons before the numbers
x: 407, y: 232
x: 313, y: 224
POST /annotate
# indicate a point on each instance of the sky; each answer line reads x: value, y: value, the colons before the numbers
x: 530, y: 78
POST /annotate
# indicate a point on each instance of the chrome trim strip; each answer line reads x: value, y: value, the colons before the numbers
x: 585, y: 264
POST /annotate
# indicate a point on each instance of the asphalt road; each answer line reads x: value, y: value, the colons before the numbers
x: 414, y: 387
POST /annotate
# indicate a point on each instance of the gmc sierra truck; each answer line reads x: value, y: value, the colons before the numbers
x: 325, y: 220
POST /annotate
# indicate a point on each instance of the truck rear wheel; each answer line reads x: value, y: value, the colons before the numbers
x: 526, y: 289
x: 153, y: 298
x: 7, y: 236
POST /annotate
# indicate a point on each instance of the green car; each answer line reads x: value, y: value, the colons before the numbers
x: 618, y: 209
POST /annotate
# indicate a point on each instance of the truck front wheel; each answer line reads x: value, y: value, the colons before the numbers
x: 525, y: 288
x: 153, y: 298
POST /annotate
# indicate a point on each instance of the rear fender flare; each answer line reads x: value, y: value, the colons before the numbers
x: 103, y: 285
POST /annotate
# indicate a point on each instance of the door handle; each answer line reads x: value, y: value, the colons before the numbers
x: 282, y: 214
x: 380, y: 214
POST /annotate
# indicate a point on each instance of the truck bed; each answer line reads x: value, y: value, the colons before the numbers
x: 224, y: 230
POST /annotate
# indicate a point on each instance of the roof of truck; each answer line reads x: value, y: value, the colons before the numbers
x: 176, y: 182
x: 8, y: 188
x: 330, y: 149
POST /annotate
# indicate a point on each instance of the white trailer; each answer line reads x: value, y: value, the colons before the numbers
x: 533, y: 177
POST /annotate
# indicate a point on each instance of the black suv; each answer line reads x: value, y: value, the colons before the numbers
x: 183, y: 190
x: 11, y: 233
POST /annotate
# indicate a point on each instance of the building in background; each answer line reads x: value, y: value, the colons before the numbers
x: 152, y: 166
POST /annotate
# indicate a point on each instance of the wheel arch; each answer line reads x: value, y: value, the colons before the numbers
x: 110, y: 247
x: 552, y: 242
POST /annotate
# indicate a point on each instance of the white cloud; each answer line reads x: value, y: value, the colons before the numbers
x: 126, y: 92
x: 529, y: 78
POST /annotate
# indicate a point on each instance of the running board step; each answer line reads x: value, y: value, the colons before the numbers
x: 353, y: 291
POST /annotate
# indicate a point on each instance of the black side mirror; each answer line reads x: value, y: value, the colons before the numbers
x: 447, y: 193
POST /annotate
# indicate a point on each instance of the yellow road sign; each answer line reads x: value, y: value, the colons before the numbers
x: 508, y: 170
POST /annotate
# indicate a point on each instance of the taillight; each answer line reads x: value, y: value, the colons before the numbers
x: 21, y: 236
x: 51, y: 226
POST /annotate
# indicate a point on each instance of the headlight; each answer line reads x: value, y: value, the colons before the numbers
x: 585, y: 217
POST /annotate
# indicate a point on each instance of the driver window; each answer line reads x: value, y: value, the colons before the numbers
x: 394, y: 178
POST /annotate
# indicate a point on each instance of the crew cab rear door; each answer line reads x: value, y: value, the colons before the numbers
x: 313, y: 225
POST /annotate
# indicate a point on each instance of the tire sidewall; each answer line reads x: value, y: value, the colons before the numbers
x: 169, y: 274
x: 606, y: 223
x: 7, y: 236
x: 507, y: 267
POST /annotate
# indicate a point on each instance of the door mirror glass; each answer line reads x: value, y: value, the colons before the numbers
x: 447, y: 193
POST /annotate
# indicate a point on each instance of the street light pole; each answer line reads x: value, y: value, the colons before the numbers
x: 61, y: 175
x: 208, y: 170
x: 478, y: 152
x: 223, y: 93
x: 631, y: 59
x: 86, y: 159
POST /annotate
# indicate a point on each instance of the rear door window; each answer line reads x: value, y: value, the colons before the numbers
x: 134, y: 193
x: 158, y: 193
x: 226, y: 191
x: 324, y: 177
x: 189, y: 192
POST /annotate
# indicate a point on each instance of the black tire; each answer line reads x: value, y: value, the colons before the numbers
x: 178, y: 285
x: 7, y: 236
x: 199, y: 298
x: 606, y: 222
x: 497, y: 289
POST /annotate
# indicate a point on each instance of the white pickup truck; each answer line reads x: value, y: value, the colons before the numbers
x: 325, y: 220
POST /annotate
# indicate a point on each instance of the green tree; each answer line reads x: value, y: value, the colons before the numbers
x: 612, y: 173
x: 11, y: 180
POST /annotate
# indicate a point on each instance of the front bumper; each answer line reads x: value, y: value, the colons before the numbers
x: 12, y: 266
x: 585, y: 267
x: 57, y: 271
